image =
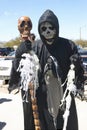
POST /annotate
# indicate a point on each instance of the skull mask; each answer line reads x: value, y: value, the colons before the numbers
x: 48, y: 32
x: 24, y: 26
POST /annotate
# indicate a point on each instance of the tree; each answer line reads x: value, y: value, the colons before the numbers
x: 13, y: 42
x: 83, y: 43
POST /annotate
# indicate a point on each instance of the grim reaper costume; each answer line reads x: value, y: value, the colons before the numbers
x: 55, y: 56
x: 49, y: 49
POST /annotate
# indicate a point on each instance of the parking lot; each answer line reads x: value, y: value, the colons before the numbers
x: 82, y: 114
x: 11, y: 112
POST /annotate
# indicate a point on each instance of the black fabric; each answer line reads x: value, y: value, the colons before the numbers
x: 14, y: 76
x: 14, y: 82
x: 49, y: 16
x: 63, y: 56
x: 72, y: 120
x: 28, y: 114
x: 45, y: 117
x: 24, y: 47
x: 62, y: 49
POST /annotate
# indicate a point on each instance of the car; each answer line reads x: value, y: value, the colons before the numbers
x: 5, y: 51
x: 5, y: 66
x: 83, y: 54
x: 81, y: 50
x: 84, y: 60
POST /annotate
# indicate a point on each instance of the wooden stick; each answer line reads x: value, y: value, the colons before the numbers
x: 34, y: 107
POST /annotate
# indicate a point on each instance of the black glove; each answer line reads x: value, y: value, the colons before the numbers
x: 24, y: 47
x: 75, y: 59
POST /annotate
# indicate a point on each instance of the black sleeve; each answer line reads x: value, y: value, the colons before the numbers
x: 24, y: 47
x: 37, y: 48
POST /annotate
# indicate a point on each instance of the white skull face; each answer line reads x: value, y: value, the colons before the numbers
x: 48, y: 31
x: 24, y: 26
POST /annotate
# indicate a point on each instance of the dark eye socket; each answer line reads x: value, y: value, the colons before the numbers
x: 29, y: 24
x: 51, y: 28
x: 22, y: 24
x: 43, y: 28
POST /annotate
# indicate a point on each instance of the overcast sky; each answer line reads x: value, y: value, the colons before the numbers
x: 72, y: 16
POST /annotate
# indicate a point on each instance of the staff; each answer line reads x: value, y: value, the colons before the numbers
x: 28, y: 67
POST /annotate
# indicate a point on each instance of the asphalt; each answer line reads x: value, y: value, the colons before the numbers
x: 82, y: 114
x: 11, y: 111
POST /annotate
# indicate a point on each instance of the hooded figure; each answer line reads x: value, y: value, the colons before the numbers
x: 65, y: 52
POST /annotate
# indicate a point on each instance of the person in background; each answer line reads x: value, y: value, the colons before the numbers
x: 65, y: 52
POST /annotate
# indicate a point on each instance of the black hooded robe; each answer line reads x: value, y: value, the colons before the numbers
x: 62, y: 49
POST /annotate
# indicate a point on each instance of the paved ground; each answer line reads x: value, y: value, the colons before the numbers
x: 11, y: 112
x: 82, y: 114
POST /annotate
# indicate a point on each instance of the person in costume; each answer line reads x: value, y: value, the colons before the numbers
x: 54, y: 50
x: 24, y: 27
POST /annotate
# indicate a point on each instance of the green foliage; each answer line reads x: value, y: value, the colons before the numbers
x: 83, y: 43
x: 12, y: 42
x: 16, y: 41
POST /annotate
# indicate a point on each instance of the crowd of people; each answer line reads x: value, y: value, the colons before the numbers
x: 55, y: 55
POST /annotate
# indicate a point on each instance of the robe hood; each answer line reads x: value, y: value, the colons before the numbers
x: 49, y: 16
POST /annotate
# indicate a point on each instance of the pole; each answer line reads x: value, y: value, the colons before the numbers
x: 34, y: 107
x: 80, y: 33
